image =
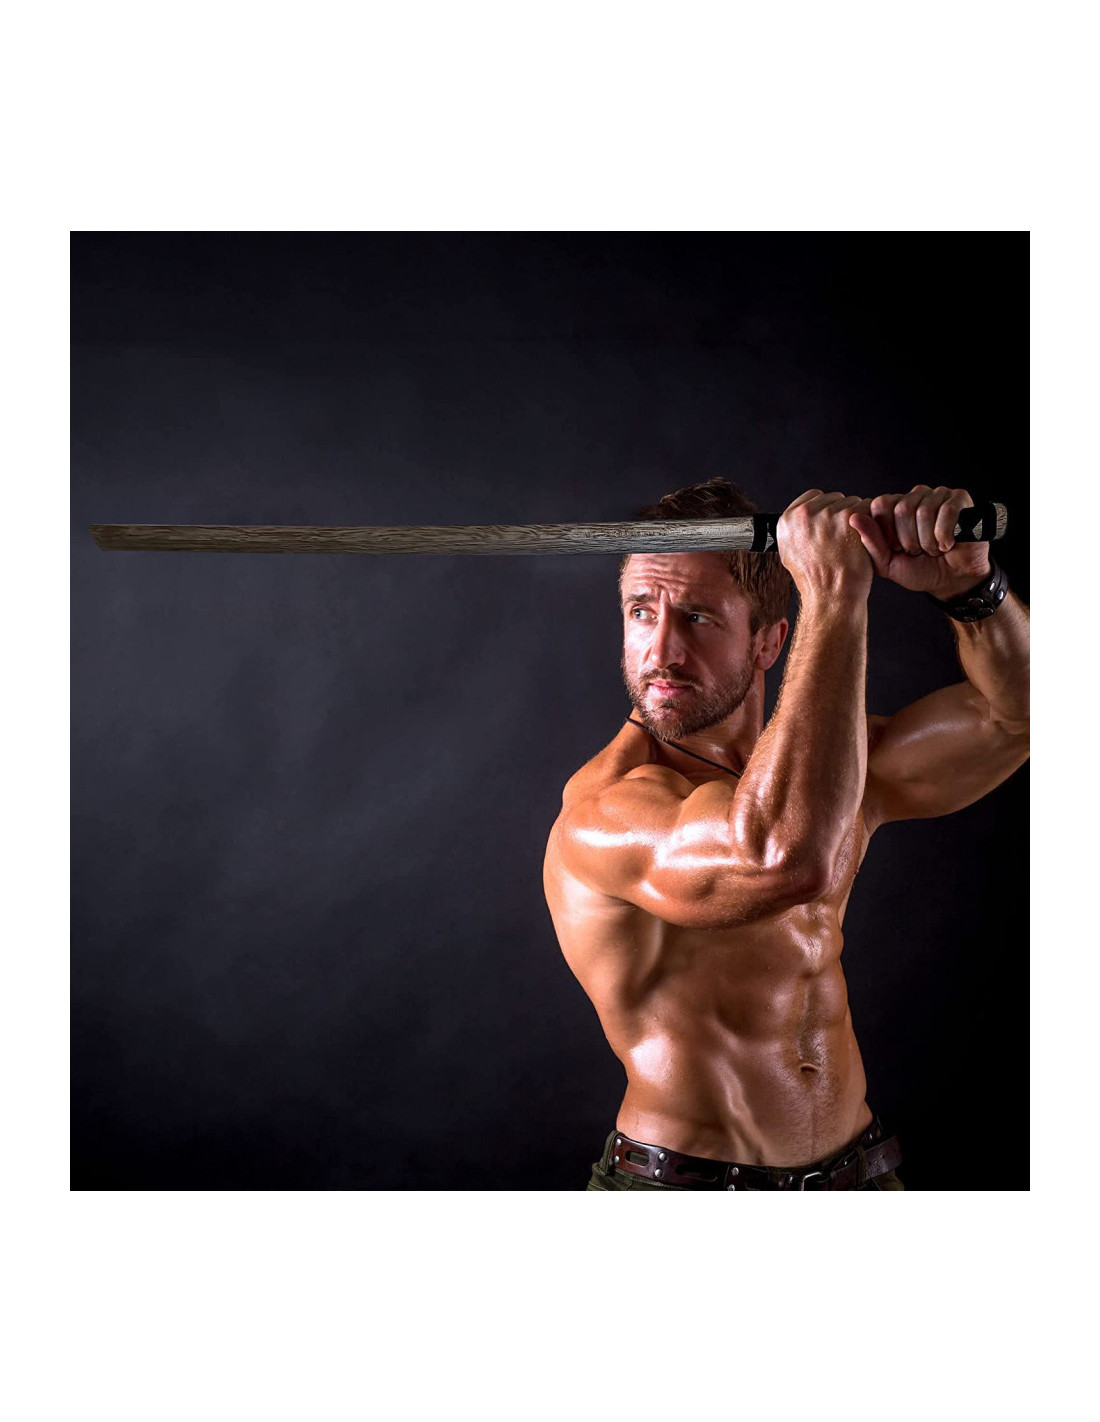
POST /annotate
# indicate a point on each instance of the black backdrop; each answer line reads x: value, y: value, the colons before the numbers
x: 311, y: 793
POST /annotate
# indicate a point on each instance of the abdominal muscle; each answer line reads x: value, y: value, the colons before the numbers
x: 738, y: 1043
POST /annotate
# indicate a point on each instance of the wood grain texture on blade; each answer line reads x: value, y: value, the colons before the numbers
x: 701, y: 535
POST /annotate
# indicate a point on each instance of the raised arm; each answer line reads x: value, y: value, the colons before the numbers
x: 724, y: 853
x: 952, y: 747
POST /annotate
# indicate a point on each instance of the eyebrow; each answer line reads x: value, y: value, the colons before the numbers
x: 646, y: 595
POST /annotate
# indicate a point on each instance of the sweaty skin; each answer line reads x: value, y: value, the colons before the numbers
x: 702, y: 913
x: 737, y: 1040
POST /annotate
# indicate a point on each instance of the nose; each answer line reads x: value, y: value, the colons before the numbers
x: 666, y: 646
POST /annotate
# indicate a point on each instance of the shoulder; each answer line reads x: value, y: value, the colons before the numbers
x: 615, y: 803
x: 626, y: 764
x: 615, y: 809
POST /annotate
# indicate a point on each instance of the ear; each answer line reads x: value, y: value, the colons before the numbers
x: 769, y: 643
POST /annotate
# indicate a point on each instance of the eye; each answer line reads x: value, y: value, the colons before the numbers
x: 634, y: 611
x: 697, y: 617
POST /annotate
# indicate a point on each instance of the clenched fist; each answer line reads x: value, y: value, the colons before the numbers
x: 911, y: 540
x: 821, y: 549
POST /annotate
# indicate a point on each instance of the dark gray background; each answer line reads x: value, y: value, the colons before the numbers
x: 311, y: 793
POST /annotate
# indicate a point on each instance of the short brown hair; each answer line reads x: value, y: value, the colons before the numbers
x: 763, y: 578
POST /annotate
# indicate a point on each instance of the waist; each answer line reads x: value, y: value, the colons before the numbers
x: 761, y: 1102
x: 870, y: 1155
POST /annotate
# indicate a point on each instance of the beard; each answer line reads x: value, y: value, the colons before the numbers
x: 672, y: 719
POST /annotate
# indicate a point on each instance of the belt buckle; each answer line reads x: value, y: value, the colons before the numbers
x: 810, y: 1175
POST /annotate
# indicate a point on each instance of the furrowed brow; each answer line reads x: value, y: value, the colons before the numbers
x: 646, y: 595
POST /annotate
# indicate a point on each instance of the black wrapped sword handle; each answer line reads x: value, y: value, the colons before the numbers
x: 983, y: 523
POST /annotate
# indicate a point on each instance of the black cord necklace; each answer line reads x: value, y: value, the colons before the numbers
x: 694, y: 754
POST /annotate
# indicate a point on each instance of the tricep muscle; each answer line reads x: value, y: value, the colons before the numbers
x: 938, y: 755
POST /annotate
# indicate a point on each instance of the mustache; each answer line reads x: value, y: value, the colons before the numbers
x: 668, y: 680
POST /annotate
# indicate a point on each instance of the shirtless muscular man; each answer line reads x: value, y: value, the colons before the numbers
x: 699, y: 870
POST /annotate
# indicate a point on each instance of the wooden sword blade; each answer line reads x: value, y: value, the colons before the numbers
x: 669, y: 537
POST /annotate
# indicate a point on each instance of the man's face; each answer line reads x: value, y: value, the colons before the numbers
x: 689, y: 658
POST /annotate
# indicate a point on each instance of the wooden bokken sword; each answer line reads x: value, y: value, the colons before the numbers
x: 755, y: 533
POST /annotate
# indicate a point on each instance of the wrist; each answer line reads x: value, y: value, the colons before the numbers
x: 841, y: 598
x: 832, y: 620
x: 978, y: 601
x: 959, y: 584
x: 831, y: 583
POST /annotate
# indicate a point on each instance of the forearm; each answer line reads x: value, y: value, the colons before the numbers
x: 804, y: 781
x: 995, y: 655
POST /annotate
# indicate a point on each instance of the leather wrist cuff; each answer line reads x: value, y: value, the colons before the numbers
x: 977, y: 602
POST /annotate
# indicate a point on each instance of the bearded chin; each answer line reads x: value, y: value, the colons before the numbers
x: 672, y: 722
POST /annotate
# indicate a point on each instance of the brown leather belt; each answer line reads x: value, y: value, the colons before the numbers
x: 863, y: 1160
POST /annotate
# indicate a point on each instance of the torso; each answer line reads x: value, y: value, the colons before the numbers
x: 737, y: 1042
